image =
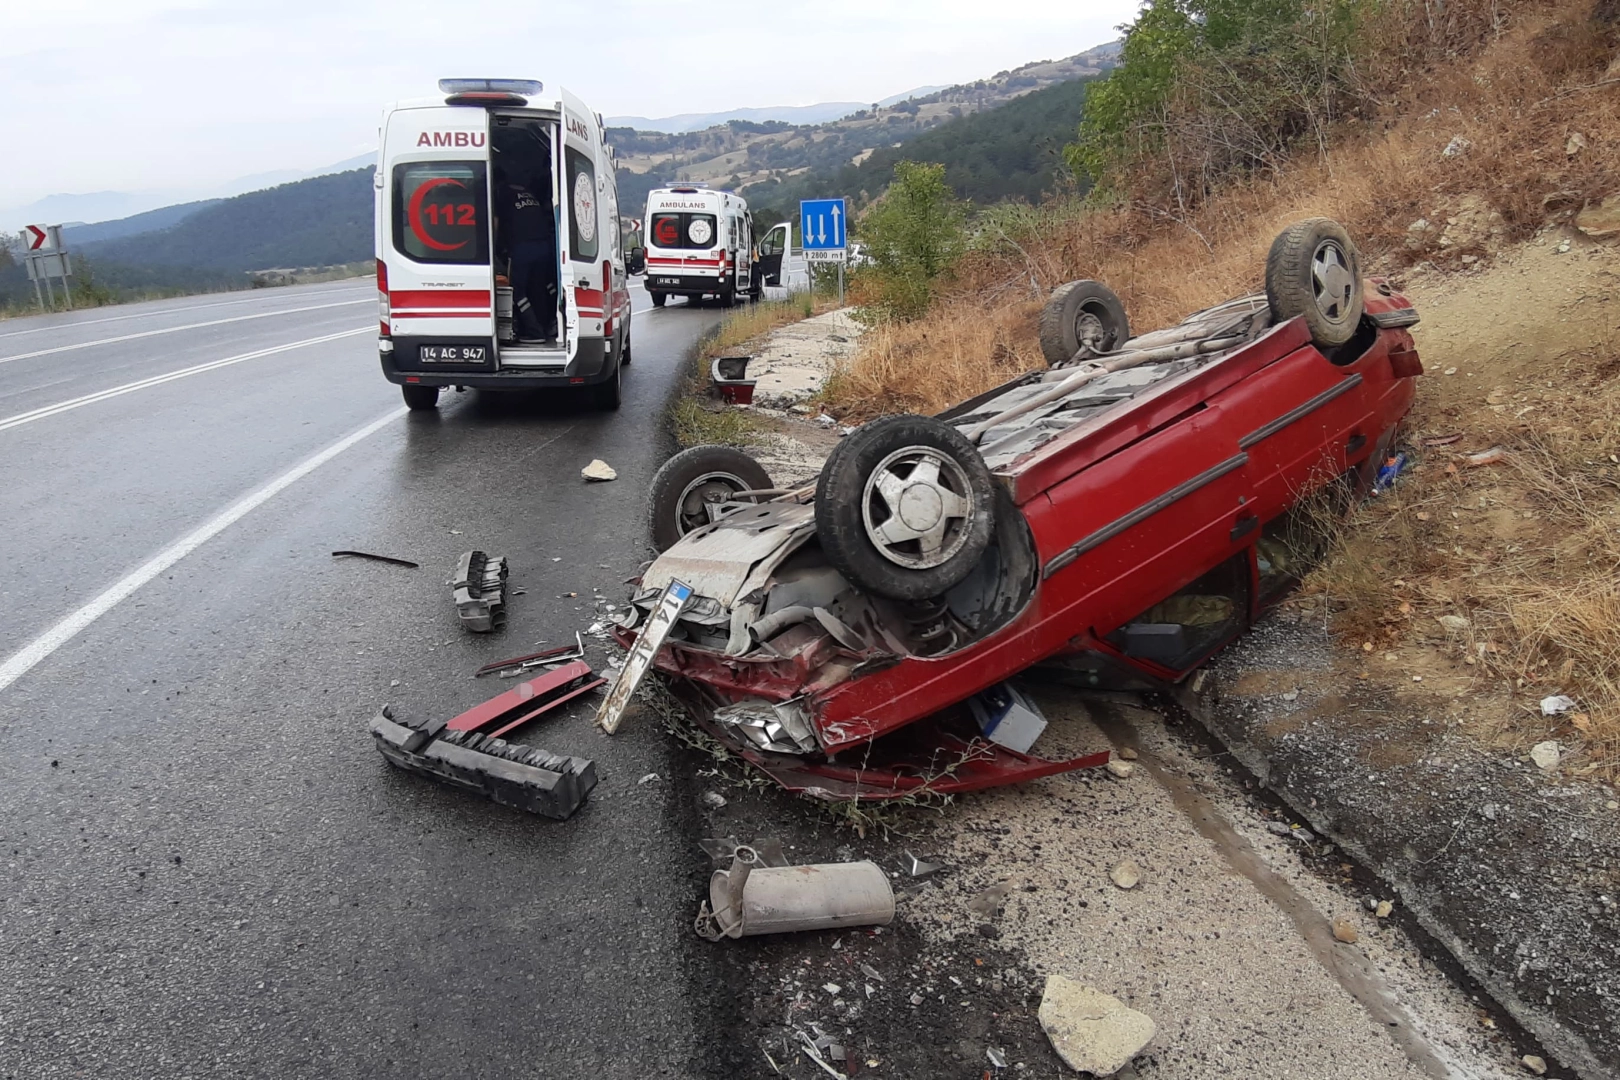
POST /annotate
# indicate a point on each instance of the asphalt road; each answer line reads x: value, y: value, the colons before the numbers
x: 206, y: 869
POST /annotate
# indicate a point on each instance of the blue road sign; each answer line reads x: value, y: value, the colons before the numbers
x: 821, y: 223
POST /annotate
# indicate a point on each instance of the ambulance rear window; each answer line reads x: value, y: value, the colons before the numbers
x: 441, y: 211
x: 683, y: 231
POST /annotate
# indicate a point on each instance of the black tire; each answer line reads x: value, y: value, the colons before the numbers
x: 850, y: 507
x: 610, y: 393
x: 1314, y: 272
x: 727, y: 297
x: 420, y: 397
x: 624, y: 349
x: 1082, y: 313
x: 658, y: 298
x: 675, y: 500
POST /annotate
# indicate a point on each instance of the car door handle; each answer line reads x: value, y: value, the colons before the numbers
x: 1245, y: 525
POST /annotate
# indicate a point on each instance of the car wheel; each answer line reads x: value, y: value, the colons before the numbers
x: 609, y: 394
x: 727, y: 297
x: 658, y: 298
x: 624, y: 350
x: 693, y: 477
x: 420, y: 397
x: 1314, y: 272
x: 1082, y: 316
x: 905, y: 507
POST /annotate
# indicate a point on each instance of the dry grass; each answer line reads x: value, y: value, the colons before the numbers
x: 697, y: 417
x: 1517, y: 103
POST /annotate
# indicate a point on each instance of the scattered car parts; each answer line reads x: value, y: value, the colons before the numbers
x: 751, y: 898
x: 469, y: 751
x: 480, y: 591
x: 730, y: 376
x: 376, y: 558
x: 544, y: 657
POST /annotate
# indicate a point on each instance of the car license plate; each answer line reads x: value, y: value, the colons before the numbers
x: 452, y: 354
x: 666, y: 281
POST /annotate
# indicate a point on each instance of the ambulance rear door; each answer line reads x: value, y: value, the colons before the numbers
x: 440, y: 278
x: 580, y: 228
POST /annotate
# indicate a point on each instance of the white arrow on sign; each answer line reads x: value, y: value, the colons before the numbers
x: 821, y: 228
x: 838, y: 240
x: 35, y: 235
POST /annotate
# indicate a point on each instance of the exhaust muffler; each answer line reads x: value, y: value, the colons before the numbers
x: 751, y: 898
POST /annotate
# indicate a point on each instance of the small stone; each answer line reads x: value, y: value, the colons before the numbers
x: 1125, y: 875
x: 1457, y: 147
x: 1278, y: 828
x: 1120, y: 770
x: 1418, y: 226
x: 1574, y: 144
x: 1128, y: 753
x: 832, y: 988
x: 1370, y: 903
x: 997, y: 1058
x: 1546, y: 755
x: 1092, y: 1031
x: 1611, y: 805
x: 1383, y: 909
x: 1344, y: 929
x: 1292, y: 695
x: 714, y: 800
x: 649, y: 778
x: 599, y: 470
x: 1455, y: 624
x: 1451, y: 371
x: 1535, y: 1064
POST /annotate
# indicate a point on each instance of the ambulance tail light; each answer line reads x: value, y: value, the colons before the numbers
x: 383, y: 312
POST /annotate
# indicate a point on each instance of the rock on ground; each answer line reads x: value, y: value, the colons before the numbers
x: 1091, y: 1031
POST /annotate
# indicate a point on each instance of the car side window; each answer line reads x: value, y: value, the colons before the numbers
x: 1188, y: 625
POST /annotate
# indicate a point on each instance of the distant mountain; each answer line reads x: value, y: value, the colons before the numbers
x: 77, y: 235
x: 787, y: 114
x: 915, y: 92
x: 322, y: 221
x: 108, y: 206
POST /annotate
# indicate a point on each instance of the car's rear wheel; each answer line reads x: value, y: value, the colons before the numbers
x: 1082, y: 317
x: 693, y: 478
x: 658, y: 298
x: 905, y: 507
x: 420, y: 397
x: 1314, y: 272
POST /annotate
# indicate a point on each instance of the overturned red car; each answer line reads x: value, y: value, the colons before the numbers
x: 1115, y: 519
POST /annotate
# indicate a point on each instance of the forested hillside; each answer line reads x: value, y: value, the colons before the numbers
x: 322, y: 221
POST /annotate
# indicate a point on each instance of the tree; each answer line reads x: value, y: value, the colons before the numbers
x: 913, y: 235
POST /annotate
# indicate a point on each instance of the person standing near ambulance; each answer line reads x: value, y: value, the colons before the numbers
x: 530, y: 228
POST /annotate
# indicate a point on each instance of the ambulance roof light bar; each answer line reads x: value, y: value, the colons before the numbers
x: 489, y: 91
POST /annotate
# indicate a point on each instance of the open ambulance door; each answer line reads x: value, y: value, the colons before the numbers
x: 579, y: 229
x: 773, y: 247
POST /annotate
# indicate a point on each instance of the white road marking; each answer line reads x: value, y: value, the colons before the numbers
x: 259, y: 298
x: 177, y: 329
x: 43, y: 646
x: 157, y: 380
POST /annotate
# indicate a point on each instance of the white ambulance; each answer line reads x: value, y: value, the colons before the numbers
x: 700, y: 242
x: 499, y: 259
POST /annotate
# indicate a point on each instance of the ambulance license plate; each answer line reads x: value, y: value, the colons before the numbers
x: 667, y: 281
x: 452, y: 354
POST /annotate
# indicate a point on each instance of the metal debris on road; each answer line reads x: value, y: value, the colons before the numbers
x: 919, y: 868
x: 649, y: 778
x: 470, y: 753
x: 599, y: 471
x: 870, y: 972
x: 561, y: 654
x: 646, y: 647
x: 375, y: 558
x: 751, y: 898
x: 811, y: 1053
x: 480, y: 591
x: 997, y: 1058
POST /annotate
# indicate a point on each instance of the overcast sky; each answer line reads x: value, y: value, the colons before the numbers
x: 131, y: 95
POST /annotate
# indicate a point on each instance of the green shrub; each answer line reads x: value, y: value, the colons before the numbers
x: 913, y: 235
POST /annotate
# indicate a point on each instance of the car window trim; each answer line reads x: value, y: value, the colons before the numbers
x: 1141, y: 513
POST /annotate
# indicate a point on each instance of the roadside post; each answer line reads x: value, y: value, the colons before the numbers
x: 824, y: 226
x: 46, y: 257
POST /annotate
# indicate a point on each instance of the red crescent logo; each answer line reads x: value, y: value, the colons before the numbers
x: 413, y: 214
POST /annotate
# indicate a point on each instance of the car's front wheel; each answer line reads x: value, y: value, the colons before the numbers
x: 693, y: 478
x: 420, y: 397
x: 905, y: 507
